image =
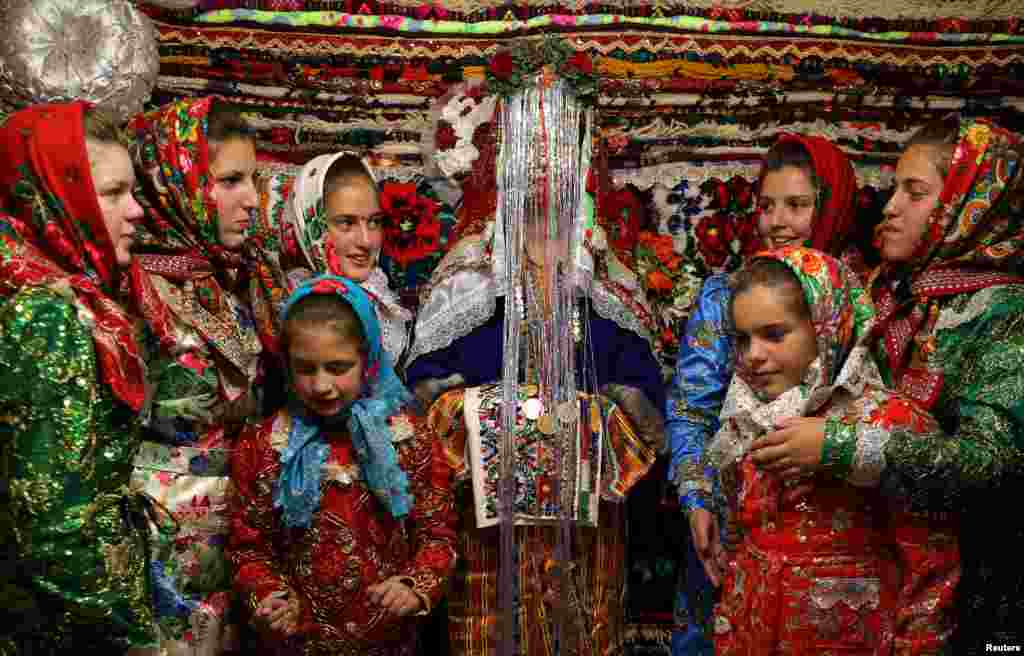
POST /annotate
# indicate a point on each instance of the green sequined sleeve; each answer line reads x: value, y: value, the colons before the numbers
x: 67, y: 450
x: 980, y: 349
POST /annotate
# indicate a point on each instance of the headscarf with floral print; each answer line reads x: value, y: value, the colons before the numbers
x: 842, y: 316
x: 52, y: 234
x: 974, y: 239
x: 308, y: 222
x: 173, y: 156
x: 309, y: 212
x: 178, y: 238
x: 368, y: 418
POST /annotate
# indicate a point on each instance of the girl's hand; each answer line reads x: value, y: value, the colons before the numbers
x: 397, y: 597
x: 278, y: 615
x: 793, y: 450
x: 707, y: 542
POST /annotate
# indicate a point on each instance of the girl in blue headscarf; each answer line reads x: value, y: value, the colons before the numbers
x: 343, y: 527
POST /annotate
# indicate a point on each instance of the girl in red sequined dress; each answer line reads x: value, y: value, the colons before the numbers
x: 820, y: 566
x: 343, y: 526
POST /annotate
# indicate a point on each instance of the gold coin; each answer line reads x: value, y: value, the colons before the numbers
x: 546, y: 424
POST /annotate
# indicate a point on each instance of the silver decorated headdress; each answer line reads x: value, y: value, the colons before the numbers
x: 542, y: 163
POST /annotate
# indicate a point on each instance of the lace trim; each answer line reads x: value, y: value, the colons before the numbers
x: 934, y: 102
x: 394, y: 334
x: 748, y: 417
x: 445, y: 318
x: 394, y: 319
x: 697, y: 173
x: 411, y: 122
x: 669, y: 128
x: 450, y: 312
x: 286, y: 169
x: 462, y: 298
x: 467, y: 287
x: 607, y: 305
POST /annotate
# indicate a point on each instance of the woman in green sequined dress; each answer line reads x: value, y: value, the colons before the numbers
x: 72, y: 386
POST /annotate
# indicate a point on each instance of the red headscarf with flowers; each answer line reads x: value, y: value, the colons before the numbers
x: 179, y: 238
x: 836, y: 184
x: 974, y: 239
x: 840, y: 308
x: 52, y: 232
x: 173, y: 155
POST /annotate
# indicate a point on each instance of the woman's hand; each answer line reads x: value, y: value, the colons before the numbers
x: 707, y: 541
x: 397, y: 597
x: 278, y: 615
x: 792, y: 451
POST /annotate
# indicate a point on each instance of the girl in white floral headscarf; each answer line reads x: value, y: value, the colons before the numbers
x: 335, y: 213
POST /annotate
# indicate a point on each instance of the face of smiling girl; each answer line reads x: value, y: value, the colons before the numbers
x: 775, y: 342
x: 787, y: 204
x: 356, y: 227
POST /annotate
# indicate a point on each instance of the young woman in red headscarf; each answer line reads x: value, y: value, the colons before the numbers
x: 950, y: 336
x: 807, y: 192
x: 196, y: 160
x: 72, y: 387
